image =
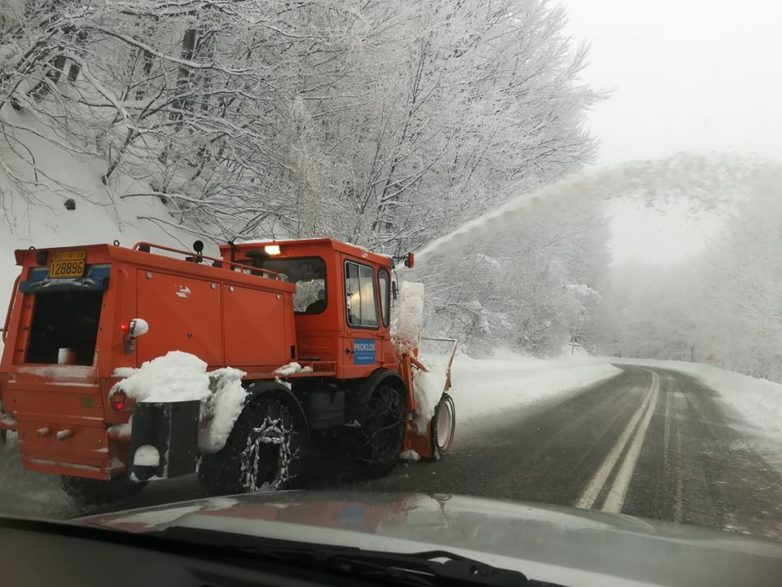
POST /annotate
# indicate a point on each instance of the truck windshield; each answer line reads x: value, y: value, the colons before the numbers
x: 307, y: 273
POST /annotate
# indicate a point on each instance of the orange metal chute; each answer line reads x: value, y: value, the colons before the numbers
x: 423, y: 444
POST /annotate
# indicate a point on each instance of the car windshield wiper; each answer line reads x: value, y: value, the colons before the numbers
x: 435, y: 567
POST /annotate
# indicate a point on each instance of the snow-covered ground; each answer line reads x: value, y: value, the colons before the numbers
x: 758, y: 402
x: 507, y: 380
x: 482, y: 387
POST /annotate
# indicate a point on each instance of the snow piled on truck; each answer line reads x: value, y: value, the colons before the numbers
x: 406, y: 331
x: 291, y: 368
x: 180, y: 377
x: 408, y: 319
x: 146, y: 456
x: 175, y: 377
x: 410, y: 456
x: 222, y: 408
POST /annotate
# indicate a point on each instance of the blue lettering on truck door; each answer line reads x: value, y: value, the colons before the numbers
x: 363, y: 351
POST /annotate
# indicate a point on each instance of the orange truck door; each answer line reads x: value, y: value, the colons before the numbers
x: 361, y: 343
x: 183, y: 314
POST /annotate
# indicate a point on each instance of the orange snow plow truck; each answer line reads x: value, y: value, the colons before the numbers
x: 304, y: 323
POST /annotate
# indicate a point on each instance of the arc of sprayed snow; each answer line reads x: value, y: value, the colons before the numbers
x: 707, y: 180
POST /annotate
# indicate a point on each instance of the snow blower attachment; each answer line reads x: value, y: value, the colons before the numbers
x: 125, y: 365
x: 430, y: 431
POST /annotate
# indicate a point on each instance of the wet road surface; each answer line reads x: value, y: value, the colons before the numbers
x: 648, y: 442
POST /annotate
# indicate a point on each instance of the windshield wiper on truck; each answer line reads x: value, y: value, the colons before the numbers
x: 435, y: 567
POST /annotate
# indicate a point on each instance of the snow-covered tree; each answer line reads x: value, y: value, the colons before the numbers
x: 721, y: 306
x: 384, y: 123
x: 743, y: 268
x: 531, y: 283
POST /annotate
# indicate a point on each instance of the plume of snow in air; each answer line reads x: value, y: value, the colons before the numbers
x: 707, y: 183
x: 409, y: 316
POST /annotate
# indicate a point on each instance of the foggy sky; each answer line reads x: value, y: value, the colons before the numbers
x: 696, y: 75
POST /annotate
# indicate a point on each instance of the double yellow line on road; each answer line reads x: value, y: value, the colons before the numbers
x: 622, y: 457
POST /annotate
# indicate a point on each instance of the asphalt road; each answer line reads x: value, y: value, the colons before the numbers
x: 648, y: 442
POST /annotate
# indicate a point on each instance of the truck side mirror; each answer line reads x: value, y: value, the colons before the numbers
x: 394, y: 290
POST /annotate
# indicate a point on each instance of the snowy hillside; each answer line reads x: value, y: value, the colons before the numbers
x: 37, y: 179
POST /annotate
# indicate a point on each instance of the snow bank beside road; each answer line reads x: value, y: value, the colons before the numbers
x: 482, y: 387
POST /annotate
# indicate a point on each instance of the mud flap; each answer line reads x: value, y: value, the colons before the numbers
x: 171, y: 431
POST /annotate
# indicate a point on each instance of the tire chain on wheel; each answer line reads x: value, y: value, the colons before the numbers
x: 369, y: 453
x: 246, y: 463
x: 272, y: 432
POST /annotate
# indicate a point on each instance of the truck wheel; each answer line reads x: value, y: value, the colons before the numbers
x: 443, y: 427
x: 86, y: 492
x: 382, y: 433
x: 264, y: 451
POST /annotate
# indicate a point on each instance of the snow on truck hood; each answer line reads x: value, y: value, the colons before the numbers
x: 558, y: 544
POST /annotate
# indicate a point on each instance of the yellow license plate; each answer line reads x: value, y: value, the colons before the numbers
x: 67, y: 264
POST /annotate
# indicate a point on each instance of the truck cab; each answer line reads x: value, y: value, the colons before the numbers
x: 342, y: 301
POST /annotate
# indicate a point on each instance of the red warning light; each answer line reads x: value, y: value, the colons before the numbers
x: 118, y: 399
